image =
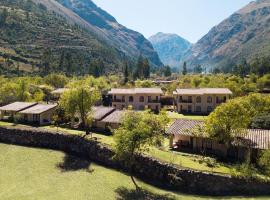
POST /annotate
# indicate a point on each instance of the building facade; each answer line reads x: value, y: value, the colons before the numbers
x: 200, y: 101
x: 137, y: 98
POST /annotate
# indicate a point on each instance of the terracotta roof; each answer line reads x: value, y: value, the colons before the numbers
x: 38, y: 109
x: 254, y: 138
x: 184, y: 126
x: 100, y: 112
x: 202, y: 91
x: 115, y: 117
x: 136, y: 91
x: 60, y: 90
x: 17, y: 106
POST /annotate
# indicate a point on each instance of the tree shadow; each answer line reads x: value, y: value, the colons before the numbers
x: 133, y: 194
x: 74, y: 163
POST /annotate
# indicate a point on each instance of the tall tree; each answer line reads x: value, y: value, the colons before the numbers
x: 138, y: 73
x: 146, y: 68
x: 167, y: 71
x: 184, y: 72
x: 198, y: 69
x: 126, y: 73
x: 3, y: 17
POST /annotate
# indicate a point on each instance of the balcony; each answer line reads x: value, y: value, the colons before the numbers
x: 153, y: 101
x: 118, y: 101
x: 185, y: 101
x: 219, y: 101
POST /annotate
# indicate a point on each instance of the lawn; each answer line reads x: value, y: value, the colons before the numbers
x: 32, y: 173
x: 174, y: 115
x: 184, y: 160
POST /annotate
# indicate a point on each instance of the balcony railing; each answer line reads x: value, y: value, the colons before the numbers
x: 153, y: 101
x: 185, y: 101
x: 118, y: 100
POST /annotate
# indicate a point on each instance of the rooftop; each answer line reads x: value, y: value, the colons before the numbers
x: 202, y: 91
x: 60, y: 90
x: 184, y: 126
x: 17, y: 106
x: 38, y: 109
x: 253, y: 138
x: 100, y: 112
x: 136, y: 91
x: 115, y: 117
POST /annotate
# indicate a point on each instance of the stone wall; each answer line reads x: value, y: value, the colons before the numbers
x: 148, y: 169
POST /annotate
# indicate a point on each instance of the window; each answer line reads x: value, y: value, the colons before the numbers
x: 149, y: 99
x: 190, y: 99
x: 130, y: 99
x: 209, y: 100
x: 224, y: 99
x: 189, y: 109
x: 123, y: 98
x: 198, y: 109
x: 209, y: 109
x: 198, y: 99
x: 141, y: 99
x: 156, y: 98
x: 180, y: 99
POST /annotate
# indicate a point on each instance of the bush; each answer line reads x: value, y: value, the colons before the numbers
x: 261, y: 122
x: 264, y: 162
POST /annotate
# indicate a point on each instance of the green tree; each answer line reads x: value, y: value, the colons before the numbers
x: 80, y: 99
x: 198, y: 69
x: 23, y: 91
x: 167, y: 71
x: 264, y: 162
x: 261, y: 121
x: 146, y: 68
x: 235, y: 116
x: 3, y: 17
x: 126, y: 73
x: 138, y: 73
x: 184, y: 72
x: 137, y: 133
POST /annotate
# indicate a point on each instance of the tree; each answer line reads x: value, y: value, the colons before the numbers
x: 264, y: 162
x: 23, y: 91
x: 198, y: 69
x: 80, y: 99
x: 167, y: 71
x: 126, y: 73
x: 146, y: 68
x: 261, y: 121
x: 235, y: 116
x: 3, y: 17
x: 137, y: 133
x: 138, y: 73
x: 184, y: 72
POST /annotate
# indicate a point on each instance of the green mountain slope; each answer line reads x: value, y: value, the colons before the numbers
x: 244, y: 35
x: 43, y: 35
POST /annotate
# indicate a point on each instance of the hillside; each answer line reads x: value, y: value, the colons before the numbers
x: 170, y: 48
x: 244, y: 35
x: 43, y: 35
x: 128, y: 41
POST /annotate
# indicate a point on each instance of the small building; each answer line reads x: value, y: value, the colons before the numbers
x: 112, y: 121
x: 137, y: 98
x: 99, y: 113
x: 40, y: 114
x: 200, y: 101
x: 185, y: 136
x: 9, y: 111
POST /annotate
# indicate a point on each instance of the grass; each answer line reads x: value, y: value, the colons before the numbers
x: 32, y: 173
x: 174, y: 115
x: 184, y: 160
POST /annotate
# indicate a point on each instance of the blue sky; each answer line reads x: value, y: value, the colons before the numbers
x: 190, y: 19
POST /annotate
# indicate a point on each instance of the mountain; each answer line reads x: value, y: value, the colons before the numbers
x: 45, y: 33
x: 170, y: 47
x: 245, y: 35
x: 128, y: 41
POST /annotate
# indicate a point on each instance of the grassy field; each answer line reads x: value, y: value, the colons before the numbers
x: 31, y: 173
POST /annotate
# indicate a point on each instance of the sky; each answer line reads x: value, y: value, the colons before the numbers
x: 191, y: 19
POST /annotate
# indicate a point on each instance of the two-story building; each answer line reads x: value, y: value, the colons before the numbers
x: 137, y: 98
x: 200, y: 101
